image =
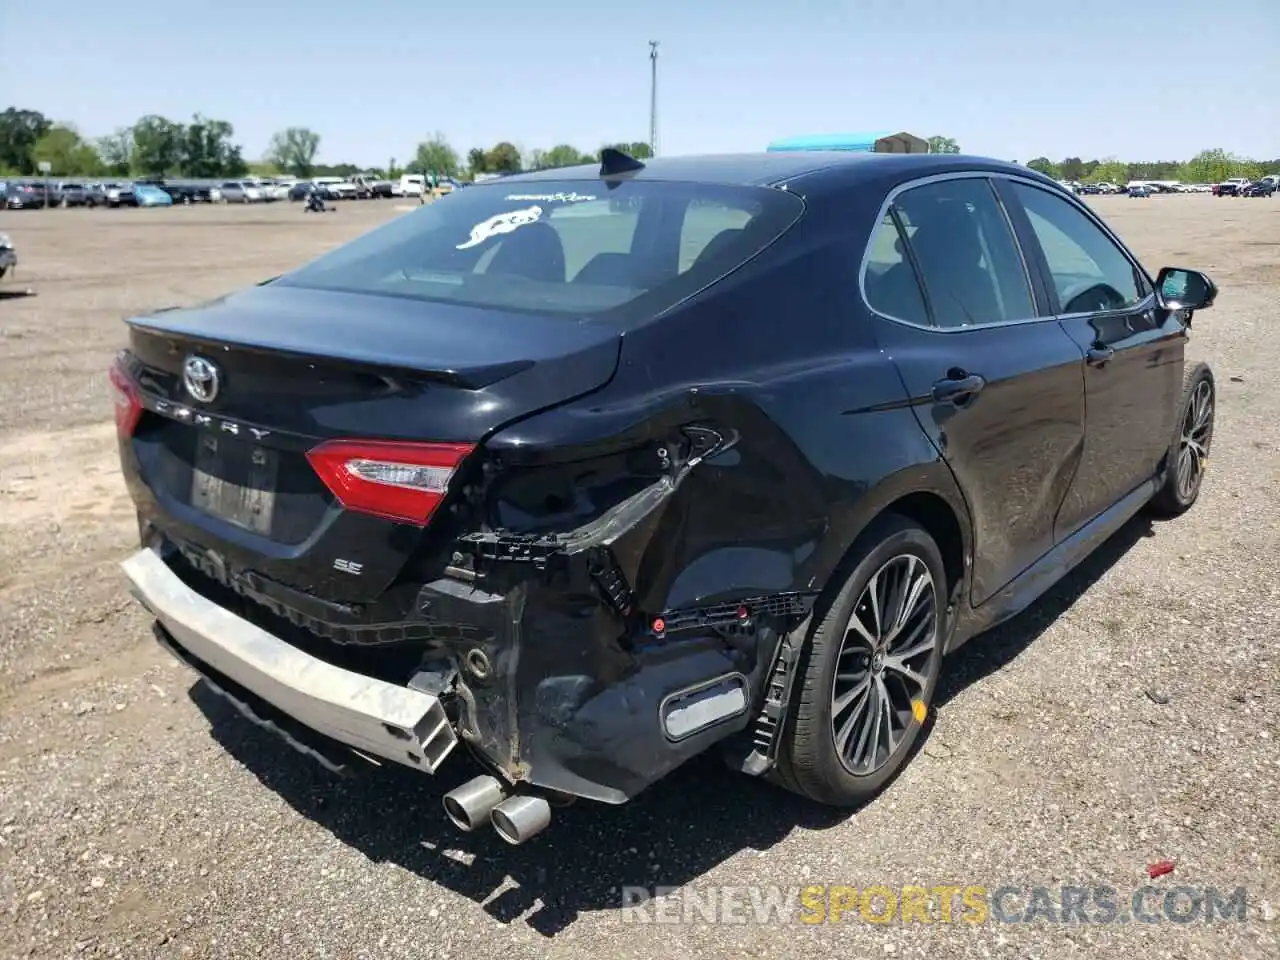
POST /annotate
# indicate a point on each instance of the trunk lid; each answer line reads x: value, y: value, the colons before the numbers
x: 225, y: 471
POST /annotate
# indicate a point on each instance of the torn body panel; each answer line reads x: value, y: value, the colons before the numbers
x: 656, y: 599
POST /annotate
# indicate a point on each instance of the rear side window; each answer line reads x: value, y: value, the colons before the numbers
x: 576, y: 248
x: 891, y: 283
x: 971, y: 266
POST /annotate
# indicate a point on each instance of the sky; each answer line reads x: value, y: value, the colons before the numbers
x: 1139, y: 80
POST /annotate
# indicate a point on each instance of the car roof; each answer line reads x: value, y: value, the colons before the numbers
x: 775, y: 167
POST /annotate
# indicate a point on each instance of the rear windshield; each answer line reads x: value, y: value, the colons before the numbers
x: 576, y: 248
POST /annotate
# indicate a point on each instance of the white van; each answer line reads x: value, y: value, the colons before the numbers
x: 413, y: 185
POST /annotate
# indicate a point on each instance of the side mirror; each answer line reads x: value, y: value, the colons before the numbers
x: 1180, y: 289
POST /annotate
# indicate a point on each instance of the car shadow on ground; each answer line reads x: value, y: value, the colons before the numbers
x: 693, y: 820
x: 990, y: 651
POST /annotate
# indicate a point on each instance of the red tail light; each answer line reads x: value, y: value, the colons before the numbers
x: 128, y: 405
x: 396, y: 480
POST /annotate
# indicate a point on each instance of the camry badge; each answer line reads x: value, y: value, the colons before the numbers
x: 200, y: 377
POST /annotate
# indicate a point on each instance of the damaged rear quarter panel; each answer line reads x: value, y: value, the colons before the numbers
x: 775, y: 360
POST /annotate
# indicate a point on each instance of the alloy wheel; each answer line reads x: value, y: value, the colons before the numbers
x: 885, y: 665
x: 1193, y: 447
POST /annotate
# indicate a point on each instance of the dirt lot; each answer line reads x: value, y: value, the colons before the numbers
x: 1131, y: 716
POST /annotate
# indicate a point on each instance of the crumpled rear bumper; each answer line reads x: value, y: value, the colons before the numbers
x: 391, y: 722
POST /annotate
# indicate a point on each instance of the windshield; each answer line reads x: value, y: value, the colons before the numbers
x: 573, y: 247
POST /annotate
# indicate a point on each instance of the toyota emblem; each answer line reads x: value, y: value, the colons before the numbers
x: 200, y: 377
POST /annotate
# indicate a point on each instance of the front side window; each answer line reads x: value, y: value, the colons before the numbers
x: 1089, y: 272
x: 575, y: 248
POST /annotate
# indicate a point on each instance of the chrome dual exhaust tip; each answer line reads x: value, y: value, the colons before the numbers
x: 485, y: 799
x: 519, y: 818
x: 469, y: 805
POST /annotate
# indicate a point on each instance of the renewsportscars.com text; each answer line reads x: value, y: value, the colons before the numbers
x: 942, y: 903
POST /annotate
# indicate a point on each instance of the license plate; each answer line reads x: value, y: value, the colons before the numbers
x: 235, y: 481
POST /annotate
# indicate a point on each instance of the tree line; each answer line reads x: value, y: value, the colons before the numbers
x: 154, y: 145
x: 436, y: 156
x: 204, y: 147
x: 1207, y: 166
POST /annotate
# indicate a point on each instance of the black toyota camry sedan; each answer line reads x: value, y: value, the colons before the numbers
x: 595, y: 469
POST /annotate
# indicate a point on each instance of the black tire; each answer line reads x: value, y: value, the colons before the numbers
x: 1176, y: 496
x: 808, y: 762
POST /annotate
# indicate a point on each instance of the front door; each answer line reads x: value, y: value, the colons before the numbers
x: 1133, y: 349
x: 994, y: 380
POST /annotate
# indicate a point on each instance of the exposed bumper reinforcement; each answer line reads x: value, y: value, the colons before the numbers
x: 395, y: 723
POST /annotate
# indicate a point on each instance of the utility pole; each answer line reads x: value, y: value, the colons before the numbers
x: 653, y: 97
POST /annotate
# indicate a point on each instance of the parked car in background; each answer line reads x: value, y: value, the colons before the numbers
x: 371, y: 187
x: 73, y: 194
x: 412, y: 185
x: 120, y: 195
x: 240, y: 191
x: 1143, y: 190
x: 1261, y: 188
x: 95, y: 195
x: 24, y: 194
x: 487, y: 481
x: 361, y: 188
x: 183, y: 191
x: 267, y: 189
x: 149, y: 195
x: 304, y: 188
x: 8, y: 255
x: 337, y: 187
x: 1230, y: 188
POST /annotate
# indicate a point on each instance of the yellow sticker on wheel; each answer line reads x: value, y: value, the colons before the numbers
x: 919, y: 710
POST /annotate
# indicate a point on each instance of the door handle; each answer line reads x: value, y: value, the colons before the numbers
x: 1098, y: 355
x: 958, y: 389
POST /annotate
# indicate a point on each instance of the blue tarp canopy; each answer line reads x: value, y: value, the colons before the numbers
x: 875, y: 142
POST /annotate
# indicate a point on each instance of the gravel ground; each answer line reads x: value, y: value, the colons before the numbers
x: 1129, y: 717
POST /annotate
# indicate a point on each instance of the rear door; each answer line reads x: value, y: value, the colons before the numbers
x: 1133, y: 349
x: 995, y: 384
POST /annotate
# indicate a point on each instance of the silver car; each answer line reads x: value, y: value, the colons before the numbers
x: 240, y: 191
